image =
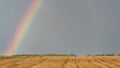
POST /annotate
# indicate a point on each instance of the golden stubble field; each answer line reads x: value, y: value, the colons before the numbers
x: 60, y: 62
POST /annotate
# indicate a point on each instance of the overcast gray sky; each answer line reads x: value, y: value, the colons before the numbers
x: 64, y: 26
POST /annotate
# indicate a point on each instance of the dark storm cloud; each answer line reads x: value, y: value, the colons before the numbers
x: 65, y: 26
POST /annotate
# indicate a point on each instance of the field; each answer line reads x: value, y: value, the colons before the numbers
x: 60, y: 62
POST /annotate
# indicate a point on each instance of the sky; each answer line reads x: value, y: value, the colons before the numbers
x: 64, y: 26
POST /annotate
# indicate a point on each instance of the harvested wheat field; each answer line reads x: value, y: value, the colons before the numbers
x: 60, y: 62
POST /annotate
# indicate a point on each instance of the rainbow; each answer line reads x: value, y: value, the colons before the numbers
x: 23, y: 26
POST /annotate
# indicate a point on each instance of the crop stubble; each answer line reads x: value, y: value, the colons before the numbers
x: 60, y: 62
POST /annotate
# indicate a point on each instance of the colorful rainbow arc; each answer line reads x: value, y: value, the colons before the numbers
x: 23, y: 27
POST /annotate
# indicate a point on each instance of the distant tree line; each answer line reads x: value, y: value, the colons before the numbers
x: 112, y: 54
x: 45, y: 54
